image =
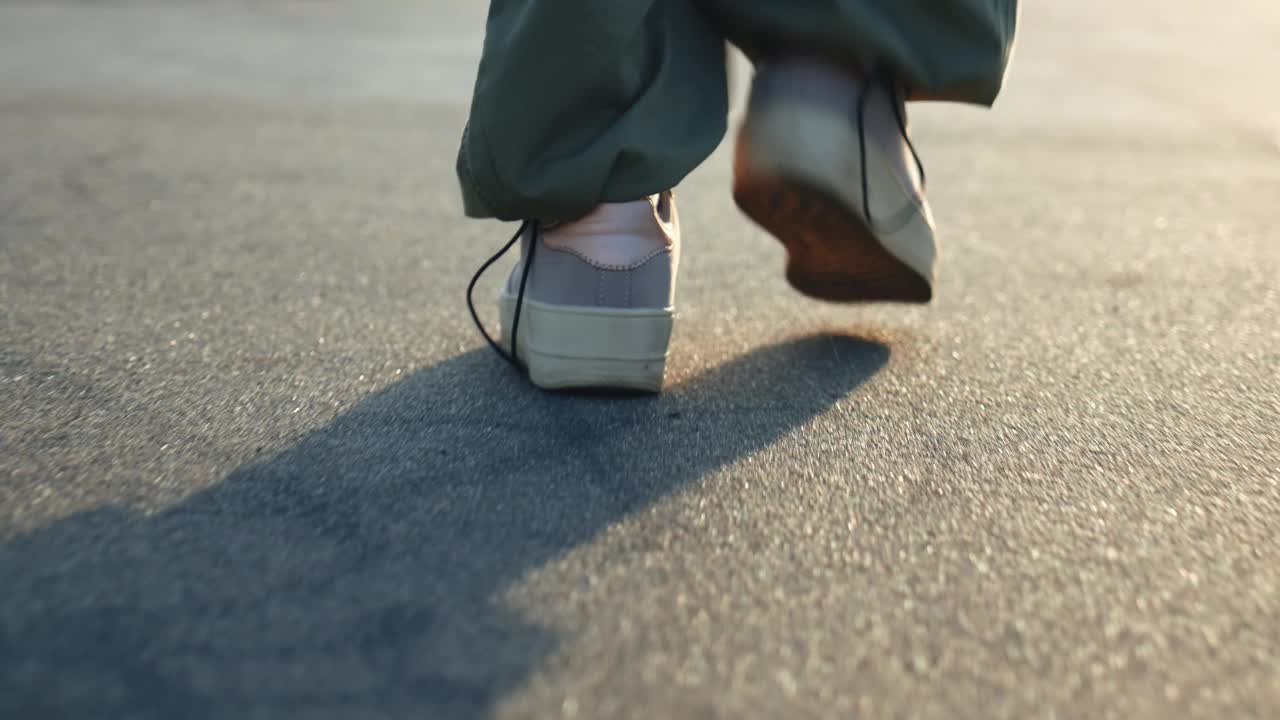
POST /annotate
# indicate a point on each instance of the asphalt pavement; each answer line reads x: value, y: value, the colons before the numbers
x: 256, y: 463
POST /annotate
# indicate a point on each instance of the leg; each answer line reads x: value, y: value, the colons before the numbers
x: 824, y: 161
x: 936, y: 49
x: 579, y: 103
x: 588, y: 113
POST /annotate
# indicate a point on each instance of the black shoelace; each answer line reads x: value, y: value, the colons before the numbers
x: 884, y: 80
x: 513, y: 357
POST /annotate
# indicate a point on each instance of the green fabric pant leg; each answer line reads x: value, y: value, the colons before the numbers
x: 937, y: 49
x: 579, y: 102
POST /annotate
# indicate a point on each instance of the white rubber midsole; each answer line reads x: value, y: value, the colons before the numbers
x: 567, y: 346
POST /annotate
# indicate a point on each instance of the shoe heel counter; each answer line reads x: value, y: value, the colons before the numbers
x: 620, y: 236
x: 565, y: 278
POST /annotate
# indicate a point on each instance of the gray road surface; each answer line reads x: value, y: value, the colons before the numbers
x: 255, y: 463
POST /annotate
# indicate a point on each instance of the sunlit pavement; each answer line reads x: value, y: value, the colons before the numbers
x: 255, y: 462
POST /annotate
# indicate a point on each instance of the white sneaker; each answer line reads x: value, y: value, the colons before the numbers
x: 824, y: 163
x: 596, y: 305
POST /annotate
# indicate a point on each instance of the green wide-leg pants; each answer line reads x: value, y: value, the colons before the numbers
x: 579, y: 102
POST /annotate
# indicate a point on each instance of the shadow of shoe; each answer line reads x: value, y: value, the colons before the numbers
x: 354, y: 573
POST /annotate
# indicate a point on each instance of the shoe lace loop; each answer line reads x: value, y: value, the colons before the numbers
x: 884, y: 80
x: 534, y: 227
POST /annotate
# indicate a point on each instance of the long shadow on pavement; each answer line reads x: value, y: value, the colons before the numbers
x: 355, y: 574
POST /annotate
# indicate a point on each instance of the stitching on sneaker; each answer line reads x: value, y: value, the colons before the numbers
x: 606, y: 266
